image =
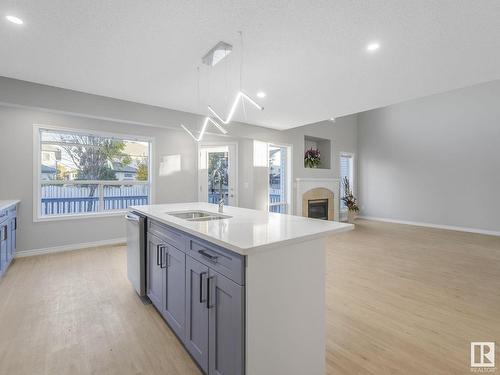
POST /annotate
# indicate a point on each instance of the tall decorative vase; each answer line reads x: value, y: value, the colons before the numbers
x: 351, y: 216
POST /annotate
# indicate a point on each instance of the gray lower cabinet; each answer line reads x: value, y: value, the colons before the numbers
x: 4, y: 248
x: 12, y: 234
x: 155, y: 271
x: 214, y: 317
x: 174, y: 292
x: 196, y: 312
x: 165, y: 284
x: 195, y: 292
x: 226, y: 339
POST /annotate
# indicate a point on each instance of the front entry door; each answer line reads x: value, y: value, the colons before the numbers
x: 212, y: 157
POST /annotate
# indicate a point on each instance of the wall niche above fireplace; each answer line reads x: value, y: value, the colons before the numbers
x: 324, y: 147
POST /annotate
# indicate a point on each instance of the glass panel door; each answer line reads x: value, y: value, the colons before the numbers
x: 278, y: 179
x: 216, y: 174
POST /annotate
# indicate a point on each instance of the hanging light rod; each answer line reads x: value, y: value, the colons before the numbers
x: 204, y: 128
x: 239, y: 96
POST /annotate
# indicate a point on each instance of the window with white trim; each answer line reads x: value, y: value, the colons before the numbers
x: 89, y: 173
x: 346, y: 170
x: 279, y: 178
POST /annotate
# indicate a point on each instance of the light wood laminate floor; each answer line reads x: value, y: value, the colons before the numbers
x: 400, y: 300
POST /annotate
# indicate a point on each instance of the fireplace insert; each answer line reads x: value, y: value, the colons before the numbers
x: 317, y: 208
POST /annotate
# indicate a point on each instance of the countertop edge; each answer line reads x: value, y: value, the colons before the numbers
x: 6, y: 203
x: 240, y: 250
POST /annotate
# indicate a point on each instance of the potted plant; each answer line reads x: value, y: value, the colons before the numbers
x: 312, y: 158
x: 350, y: 201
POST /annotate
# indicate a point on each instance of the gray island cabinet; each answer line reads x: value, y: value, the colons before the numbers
x: 197, y: 288
x: 244, y: 291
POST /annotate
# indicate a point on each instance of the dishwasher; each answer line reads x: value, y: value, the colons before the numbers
x: 136, y: 251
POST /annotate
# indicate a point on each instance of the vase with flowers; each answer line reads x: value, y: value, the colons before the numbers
x: 312, y: 158
x: 349, y: 200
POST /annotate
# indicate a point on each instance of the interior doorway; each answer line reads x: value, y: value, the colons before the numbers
x: 222, y: 157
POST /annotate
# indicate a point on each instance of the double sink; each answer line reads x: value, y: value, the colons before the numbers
x: 198, y: 215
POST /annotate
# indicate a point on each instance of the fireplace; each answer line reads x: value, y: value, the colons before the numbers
x: 322, y: 194
x: 317, y: 208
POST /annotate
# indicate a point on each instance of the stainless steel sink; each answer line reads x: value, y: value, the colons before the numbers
x: 190, y: 214
x: 209, y: 218
x: 198, y: 215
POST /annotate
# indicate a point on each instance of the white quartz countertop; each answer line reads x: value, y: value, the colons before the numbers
x: 7, y: 203
x: 247, y: 230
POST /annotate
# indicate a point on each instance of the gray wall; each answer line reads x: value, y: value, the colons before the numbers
x: 343, y: 137
x: 16, y: 171
x: 434, y: 160
x: 23, y: 104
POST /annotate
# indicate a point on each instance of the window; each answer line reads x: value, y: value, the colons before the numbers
x: 86, y: 173
x: 346, y: 170
x: 279, y: 179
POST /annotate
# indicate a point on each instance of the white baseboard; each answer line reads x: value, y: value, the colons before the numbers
x: 436, y: 226
x: 58, y: 249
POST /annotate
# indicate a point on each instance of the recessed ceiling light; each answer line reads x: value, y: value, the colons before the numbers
x: 14, y: 19
x: 261, y: 94
x: 373, y: 46
x: 332, y: 119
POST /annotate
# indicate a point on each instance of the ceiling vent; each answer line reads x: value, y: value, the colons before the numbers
x: 217, y: 53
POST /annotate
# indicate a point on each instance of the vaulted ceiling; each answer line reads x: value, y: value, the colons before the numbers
x: 309, y: 57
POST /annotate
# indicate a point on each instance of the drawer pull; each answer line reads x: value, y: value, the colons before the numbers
x: 211, y: 257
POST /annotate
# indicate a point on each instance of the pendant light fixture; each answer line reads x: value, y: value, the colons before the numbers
x: 211, y: 58
x: 208, y: 120
x: 239, y: 96
x: 203, y: 128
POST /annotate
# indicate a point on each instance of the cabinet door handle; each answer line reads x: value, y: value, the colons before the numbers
x: 164, y: 263
x: 213, y: 258
x: 208, y: 292
x: 15, y: 223
x: 201, y: 287
x: 162, y: 248
x: 158, y: 255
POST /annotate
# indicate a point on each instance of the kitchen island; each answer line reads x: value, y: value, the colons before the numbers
x: 244, y: 292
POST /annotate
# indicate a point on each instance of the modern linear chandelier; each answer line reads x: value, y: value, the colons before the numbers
x: 239, y: 96
x: 203, y: 128
x: 212, y: 57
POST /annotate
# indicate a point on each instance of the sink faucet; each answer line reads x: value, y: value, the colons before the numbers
x: 218, y: 174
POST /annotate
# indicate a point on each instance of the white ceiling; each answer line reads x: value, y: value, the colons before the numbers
x: 308, y: 56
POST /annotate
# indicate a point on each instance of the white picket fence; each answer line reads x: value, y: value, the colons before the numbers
x: 90, y: 196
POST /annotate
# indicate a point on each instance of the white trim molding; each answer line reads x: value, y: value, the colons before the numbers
x: 435, y: 226
x: 71, y: 247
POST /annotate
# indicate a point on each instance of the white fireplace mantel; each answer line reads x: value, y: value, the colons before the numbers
x: 303, y: 185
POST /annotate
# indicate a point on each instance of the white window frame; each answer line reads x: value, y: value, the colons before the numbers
x: 202, y: 145
x: 37, y: 215
x: 289, y: 182
x: 353, y: 171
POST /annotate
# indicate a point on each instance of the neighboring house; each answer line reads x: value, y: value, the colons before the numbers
x: 124, y: 172
x: 48, y: 173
